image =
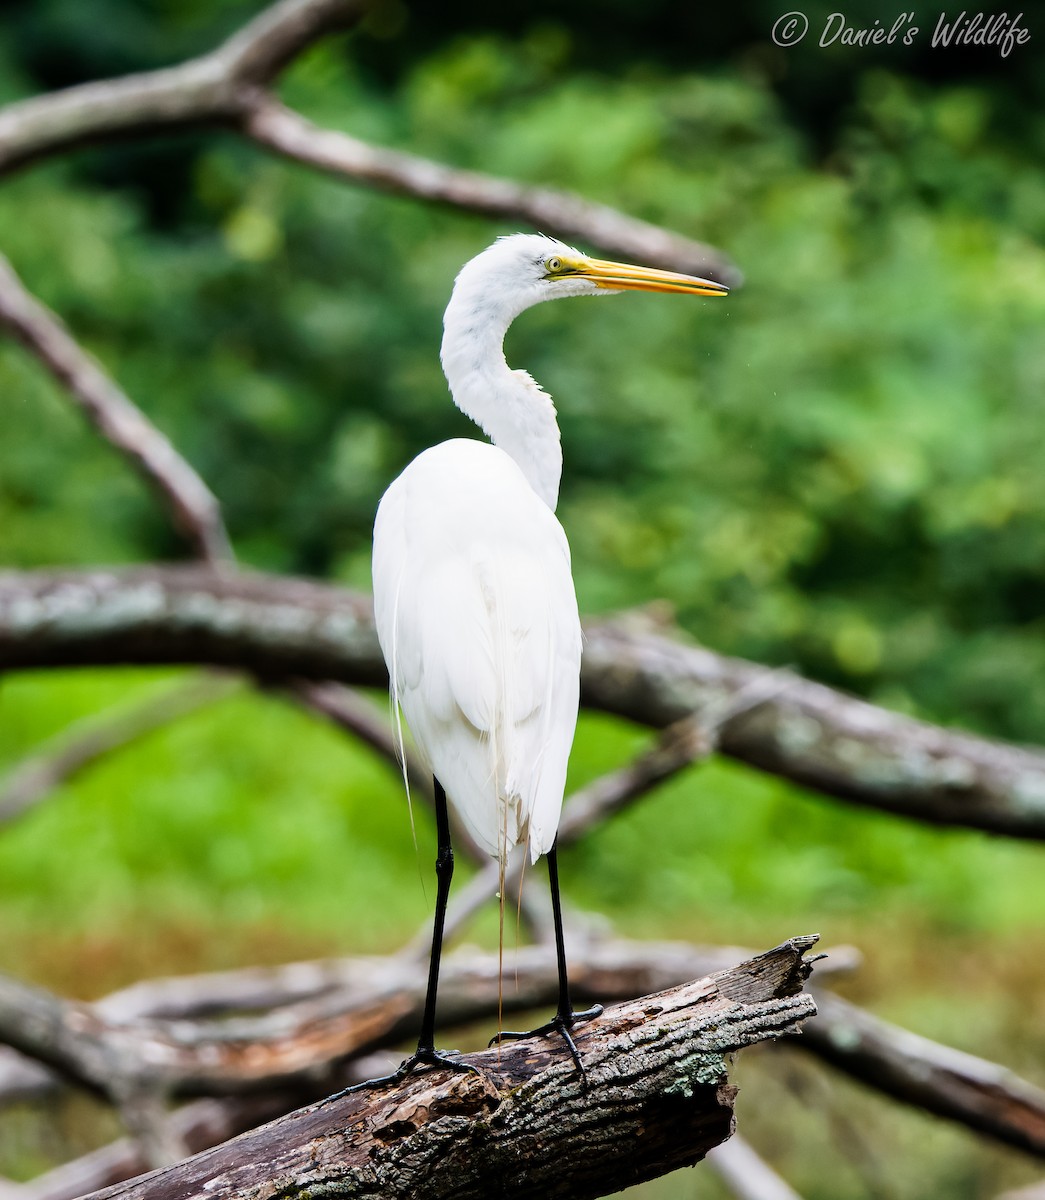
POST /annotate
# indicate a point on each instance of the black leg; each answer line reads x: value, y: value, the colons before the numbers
x: 444, y: 873
x: 565, y: 1018
x: 426, y: 1051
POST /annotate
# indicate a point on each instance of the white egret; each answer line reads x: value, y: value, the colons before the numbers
x: 473, y: 595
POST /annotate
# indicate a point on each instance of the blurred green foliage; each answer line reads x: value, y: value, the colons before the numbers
x: 838, y: 467
x: 832, y: 468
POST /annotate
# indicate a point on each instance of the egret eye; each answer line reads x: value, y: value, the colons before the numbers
x: 554, y: 264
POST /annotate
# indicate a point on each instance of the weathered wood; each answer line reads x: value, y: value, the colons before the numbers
x: 655, y: 1097
x: 264, y: 1027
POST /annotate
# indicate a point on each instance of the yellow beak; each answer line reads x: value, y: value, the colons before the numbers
x: 646, y: 279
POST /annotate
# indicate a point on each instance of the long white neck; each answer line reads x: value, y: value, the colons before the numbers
x: 514, y: 412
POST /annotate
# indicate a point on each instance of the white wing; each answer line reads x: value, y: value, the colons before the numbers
x: 477, y: 619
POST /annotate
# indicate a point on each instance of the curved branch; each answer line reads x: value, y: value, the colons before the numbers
x: 273, y: 627
x: 279, y: 628
x: 115, y: 416
x: 565, y: 214
x: 322, y: 1012
x: 378, y: 1003
x: 210, y: 89
x: 228, y: 87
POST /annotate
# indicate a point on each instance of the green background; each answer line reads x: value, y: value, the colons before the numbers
x: 838, y: 468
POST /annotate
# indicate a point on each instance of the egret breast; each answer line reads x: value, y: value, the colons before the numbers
x: 477, y: 618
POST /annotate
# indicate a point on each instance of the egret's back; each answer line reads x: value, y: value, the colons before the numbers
x: 477, y: 618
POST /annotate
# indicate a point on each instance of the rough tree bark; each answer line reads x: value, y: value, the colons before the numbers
x: 528, y: 1125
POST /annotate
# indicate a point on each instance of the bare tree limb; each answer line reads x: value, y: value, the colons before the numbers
x: 23, y: 1079
x: 83, y: 744
x: 324, y: 1011
x: 821, y: 738
x: 972, y: 1091
x: 746, y: 1175
x: 273, y: 627
x: 565, y: 214
x: 292, y: 1044
x: 528, y: 1124
x: 279, y: 628
x: 164, y: 1058
x: 118, y: 420
x: 228, y: 87
x: 210, y: 89
x: 682, y: 744
x: 353, y: 713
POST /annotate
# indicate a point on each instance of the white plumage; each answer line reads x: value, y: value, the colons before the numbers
x: 474, y: 600
x: 473, y: 596
x: 477, y: 618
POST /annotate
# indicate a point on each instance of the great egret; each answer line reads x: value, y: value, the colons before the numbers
x: 473, y: 596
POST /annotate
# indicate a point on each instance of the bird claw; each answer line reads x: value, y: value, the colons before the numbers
x: 429, y: 1058
x: 561, y: 1024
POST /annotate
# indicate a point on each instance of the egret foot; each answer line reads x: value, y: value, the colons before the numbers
x: 561, y: 1024
x: 431, y: 1058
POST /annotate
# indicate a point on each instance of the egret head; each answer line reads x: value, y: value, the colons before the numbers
x: 490, y: 292
x: 524, y: 269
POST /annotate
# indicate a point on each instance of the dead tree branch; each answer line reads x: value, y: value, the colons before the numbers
x: 279, y: 629
x: 528, y: 1124
x: 972, y: 1091
x: 229, y: 87
x: 747, y: 1175
x: 308, y: 1016
x: 565, y: 214
x: 312, y: 1016
x: 378, y: 1004
x: 198, y: 1126
x: 821, y: 738
x: 82, y: 745
x: 322, y: 1012
x: 211, y: 89
x: 116, y: 417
